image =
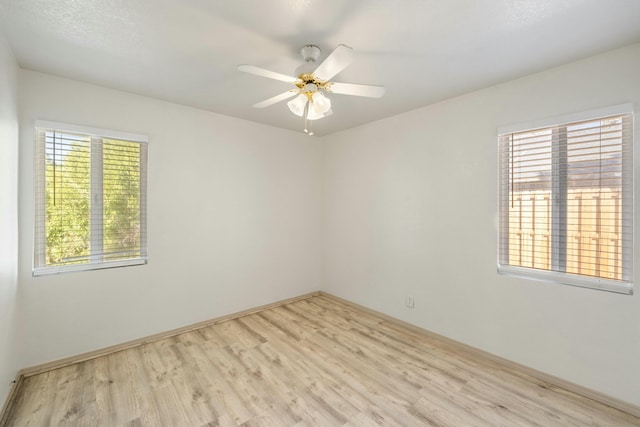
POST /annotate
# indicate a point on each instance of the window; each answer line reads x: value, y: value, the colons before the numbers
x: 90, y: 198
x: 566, y: 201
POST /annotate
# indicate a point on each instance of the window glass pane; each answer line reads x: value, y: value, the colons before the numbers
x: 90, y: 200
x: 594, y: 219
x: 121, y: 199
x: 67, y: 183
x: 530, y: 199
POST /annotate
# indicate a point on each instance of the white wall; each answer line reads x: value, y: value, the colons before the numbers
x: 411, y: 208
x: 9, y: 350
x: 234, y: 222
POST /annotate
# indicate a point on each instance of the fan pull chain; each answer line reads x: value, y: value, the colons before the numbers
x: 307, y: 122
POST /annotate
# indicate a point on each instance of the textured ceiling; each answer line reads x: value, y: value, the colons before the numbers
x: 423, y: 51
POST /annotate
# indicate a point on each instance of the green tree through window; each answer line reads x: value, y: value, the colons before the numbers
x: 121, y: 197
x: 90, y: 201
x: 68, y: 199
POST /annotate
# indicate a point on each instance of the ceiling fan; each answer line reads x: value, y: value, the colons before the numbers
x: 312, y: 83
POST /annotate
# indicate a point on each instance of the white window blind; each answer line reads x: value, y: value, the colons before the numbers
x: 566, y: 203
x: 90, y: 198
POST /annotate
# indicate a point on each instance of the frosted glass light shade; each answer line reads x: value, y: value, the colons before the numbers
x: 313, y: 114
x: 297, y: 105
x: 321, y: 103
x: 319, y: 107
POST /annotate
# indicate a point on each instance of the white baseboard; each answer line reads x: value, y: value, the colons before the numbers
x: 13, y: 393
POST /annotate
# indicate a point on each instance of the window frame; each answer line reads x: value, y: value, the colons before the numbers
x: 624, y: 286
x: 39, y: 267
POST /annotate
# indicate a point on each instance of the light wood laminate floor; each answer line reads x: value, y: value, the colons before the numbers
x: 312, y: 362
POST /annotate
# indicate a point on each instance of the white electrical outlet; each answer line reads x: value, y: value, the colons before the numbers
x: 409, y: 302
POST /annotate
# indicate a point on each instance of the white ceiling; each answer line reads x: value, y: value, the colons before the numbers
x: 423, y: 51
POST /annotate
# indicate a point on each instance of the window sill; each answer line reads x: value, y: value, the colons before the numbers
x: 567, y: 279
x: 44, y: 271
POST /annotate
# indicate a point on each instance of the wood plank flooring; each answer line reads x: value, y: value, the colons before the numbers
x: 312, y: 362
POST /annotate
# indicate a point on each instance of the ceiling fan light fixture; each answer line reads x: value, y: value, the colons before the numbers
x: 310, y: 88
x: 320, y: 102
x: 317, y: 111
x: 316, y: 116
x: 297, y: 105
x: 313, y: 114
x: 313, y: 82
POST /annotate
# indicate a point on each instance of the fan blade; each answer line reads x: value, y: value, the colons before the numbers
x: 338, y: 60
x: 357, y: 90
x: 251, y: 69
x: 275, y: 99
